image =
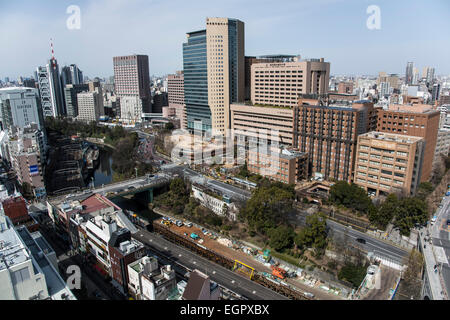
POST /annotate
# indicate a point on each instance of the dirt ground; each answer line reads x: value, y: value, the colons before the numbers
x: 388, y: 280
x: 245, y: 258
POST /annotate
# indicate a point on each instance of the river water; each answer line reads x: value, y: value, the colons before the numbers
x: 104, y: 173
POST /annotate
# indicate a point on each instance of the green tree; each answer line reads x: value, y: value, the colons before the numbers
x: 281, y: 238
x: 268, y: 207
x: 387, y: 211
x: 411, y: 211
x: 351, y: 196
x: 314, y: 235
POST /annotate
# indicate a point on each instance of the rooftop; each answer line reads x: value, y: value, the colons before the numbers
x: 399, y: 138
x: 415, y: 108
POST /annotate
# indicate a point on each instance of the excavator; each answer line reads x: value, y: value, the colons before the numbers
x: 278, y: 272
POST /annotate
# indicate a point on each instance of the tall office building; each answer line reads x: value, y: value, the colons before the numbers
x: 71, y: 75
x: 89, y: 106
x: 175, y: 90
x: 198, y: 114
x: 132, y: 86
x: 435, y: 92
x: 226, y: 68
x: 428, y: 74
x: 409, y: 73
x: 416, y: 76
x: 70, y: 95
x: 214, y: 69
x: 20, y: 107
x: 51, y: 90
x: 282, y: 83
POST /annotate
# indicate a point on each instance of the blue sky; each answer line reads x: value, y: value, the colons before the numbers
x: 411, y: 30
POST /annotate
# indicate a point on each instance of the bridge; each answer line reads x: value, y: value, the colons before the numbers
x: 141, y: 187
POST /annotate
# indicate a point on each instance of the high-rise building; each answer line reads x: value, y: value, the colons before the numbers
x: 160, y: 100
x: 435, y: 92
x: 387, y: 162
x: 409, y: 75
x: 195, y: 67
x: 417, y: 120
x: 428, y: 74
x: 175, y: 90
x: 132, y: 86
x: 328, y: 133
x: 214, y: 73
x: 282, y: 83
x: 392, y: 79
x: 20, y: 107
x: 70, y: 95
x: 226, y: 68
x: 416, y: 76
x: 89, y: 106
x: 71, y: 75
x: 51, y: 90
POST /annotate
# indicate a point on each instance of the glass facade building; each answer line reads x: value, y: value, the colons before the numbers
x: 198, y: 113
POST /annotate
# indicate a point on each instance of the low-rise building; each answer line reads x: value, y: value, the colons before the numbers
x: 201, y: 287
x: 387, y: 163
x: 146, y: 281
x: 28, y: 268
x: 220, y: 205
x: 27, y: 150
x: 283, y: 165
x: 123, y: 251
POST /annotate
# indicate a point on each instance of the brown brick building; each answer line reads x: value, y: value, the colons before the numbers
x: 418, y: 121
x: 328, y: 132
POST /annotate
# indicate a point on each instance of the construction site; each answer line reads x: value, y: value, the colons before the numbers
x: 255, y: 264
x: 69, y: 164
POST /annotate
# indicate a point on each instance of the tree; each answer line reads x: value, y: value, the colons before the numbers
x: 387, y: 211
x: 169, y: 126
x: 351, y: 196
x: 268, y: 207
x: 281, y: 238
x: 411, y: 212
x: 314, y: 235
x: 424, y: 189
x: 414, y: 266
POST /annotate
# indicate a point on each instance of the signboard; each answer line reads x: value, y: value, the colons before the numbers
x: 34, y: 170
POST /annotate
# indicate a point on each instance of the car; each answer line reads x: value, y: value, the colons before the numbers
x: 360, y: 240
x: 448, y: 222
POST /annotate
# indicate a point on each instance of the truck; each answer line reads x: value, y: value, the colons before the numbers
x: 278, y: 272
x: 195, y: 236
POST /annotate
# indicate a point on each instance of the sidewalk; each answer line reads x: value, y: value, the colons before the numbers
x: 434, y: 277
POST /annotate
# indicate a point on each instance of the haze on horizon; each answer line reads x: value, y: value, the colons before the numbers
x: 333, y: 29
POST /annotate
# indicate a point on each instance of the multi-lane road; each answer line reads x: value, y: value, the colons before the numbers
x: 226, y: 278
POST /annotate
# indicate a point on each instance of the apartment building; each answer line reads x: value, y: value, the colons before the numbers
x: 416, y: 120
x: 345, y: 88
x: 442, y: 144
x: 387, y: 163
x: 146, y: 281
x: 328, y: 132
x: 283, y: 165
x: 282, y: 83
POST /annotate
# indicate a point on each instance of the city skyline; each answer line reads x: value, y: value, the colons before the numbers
x: 156, y: 30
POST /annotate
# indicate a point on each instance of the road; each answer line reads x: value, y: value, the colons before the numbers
x: 219, y: 274
x: 378, y: 247
x: 440, y: 234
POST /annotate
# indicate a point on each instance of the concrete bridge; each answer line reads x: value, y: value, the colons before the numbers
x: 141, y: 187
